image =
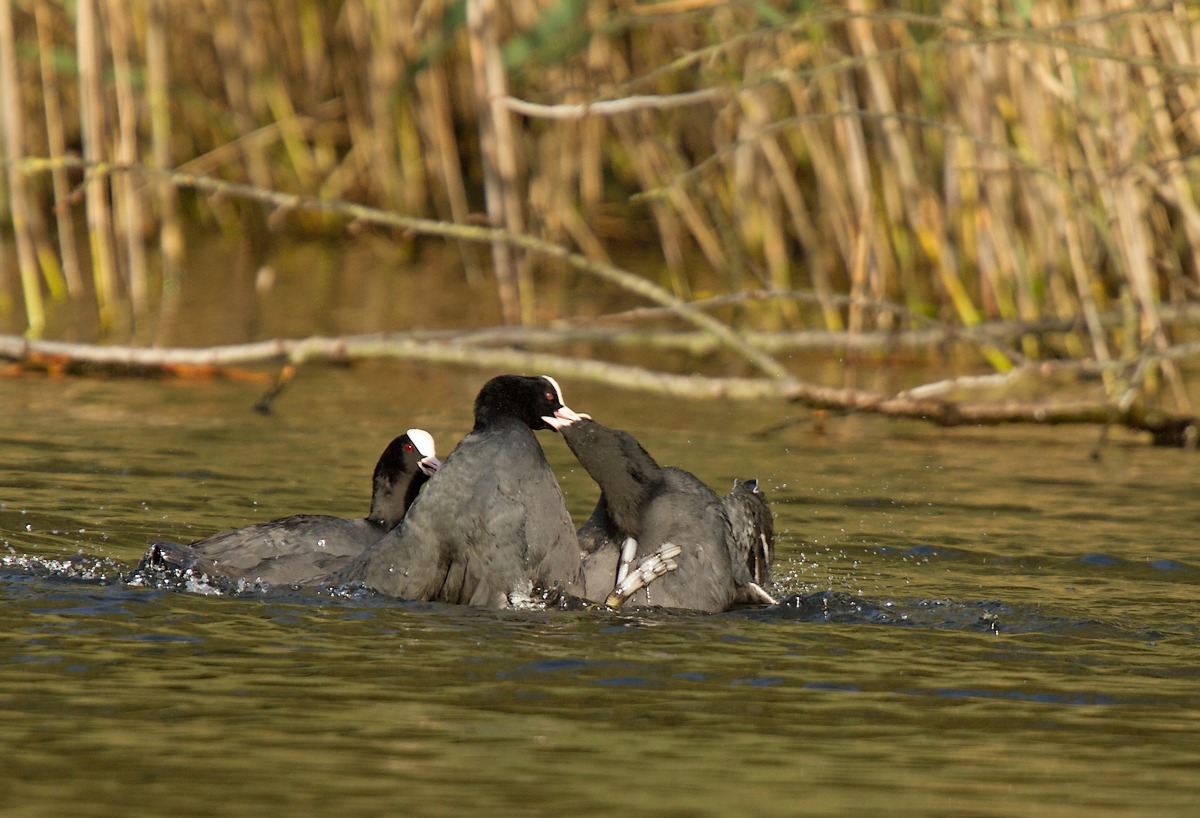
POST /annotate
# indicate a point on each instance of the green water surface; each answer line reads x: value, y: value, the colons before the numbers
x: 975, y: 623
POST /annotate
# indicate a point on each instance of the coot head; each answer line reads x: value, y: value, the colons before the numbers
x: 405, y: 465
x: 625, y: 471
x: 411, y: 452
x: 528, y: 399
x: 752, y: 528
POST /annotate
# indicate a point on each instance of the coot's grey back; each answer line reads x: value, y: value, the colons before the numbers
x: 490, y: 526
x: 304, y: 549
x: 688, y: 513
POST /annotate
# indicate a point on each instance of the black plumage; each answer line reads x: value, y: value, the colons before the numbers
x: 305, y: 549
x: 752, y: 528
x: 491, y: 528
x: 654, y: 505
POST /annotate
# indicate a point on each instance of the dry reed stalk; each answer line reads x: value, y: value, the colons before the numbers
x: 987, y: 223
x: 553, y: 203
x: 57, y: 144
x: 228, y: 34
x: 269, y: 96
x: 313, y: 48
x: 411, y: 150
x: 374, y: 28
x: 92, y: 104
x: 127, y: 195
x: 1175, y: 187
x: 1114, y: 153
x: 498, y: 160
x: 1076, y: 158
x: 581, y: 233
x: 1086, y: 289
x: 434, y: 94
x: 406, y: 115
x: 569, y: 175
x: 1169, y: 34
x: 783, y: 173
x: 922, y: 209
x: 278, y: 101
x: 600, y: 61
x: 170, y: 232
x: 366, y: 153
x: 859, y: 273
x: 662, y: 166
x: 646, y: 149
x: 1125, y: 198
x: 547, y: 184
x: 752, y: 223
x: 962, y: 160
x: 1019, y: 198
x: 867, y: 241
x: 640, y: 149
x: 324, y: 137
x: 19, y: 200
x: 554, y: 171
x: 830, y: 233
x: 761, y: 198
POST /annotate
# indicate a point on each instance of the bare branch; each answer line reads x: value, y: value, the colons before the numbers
x: 625, y: 105
x: 917, y: 403
x: 431, y: 227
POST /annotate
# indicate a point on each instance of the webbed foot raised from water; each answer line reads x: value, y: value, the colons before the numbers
x: 655, y: 565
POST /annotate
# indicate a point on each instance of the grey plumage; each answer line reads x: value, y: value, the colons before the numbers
x: 656, y: 505
x: 306, y: 549
x: 491, y: 527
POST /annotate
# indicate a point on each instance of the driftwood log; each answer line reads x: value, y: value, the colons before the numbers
x: 951, y: 402
x: 937, y: 402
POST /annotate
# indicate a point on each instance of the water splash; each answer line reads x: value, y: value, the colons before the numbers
x: 78, y: 567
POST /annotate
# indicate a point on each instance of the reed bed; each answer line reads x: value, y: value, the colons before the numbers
x: 969, y: 161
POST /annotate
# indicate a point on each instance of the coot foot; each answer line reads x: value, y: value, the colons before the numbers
x: 753, y: 593
x: 628, y: 552
x: 658, y: 564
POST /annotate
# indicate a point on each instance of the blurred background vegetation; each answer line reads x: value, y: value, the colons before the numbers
x: 884, y: 165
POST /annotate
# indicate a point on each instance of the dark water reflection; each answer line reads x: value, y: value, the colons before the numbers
x: 975, y: 623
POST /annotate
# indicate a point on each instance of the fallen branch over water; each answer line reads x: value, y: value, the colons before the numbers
x: 284, y: 202
x: 925, y: 402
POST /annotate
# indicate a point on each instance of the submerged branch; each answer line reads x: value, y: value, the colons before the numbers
x: 920, y: 403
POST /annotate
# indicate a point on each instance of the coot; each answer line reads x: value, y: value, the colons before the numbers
x: 491, y: 526
x: 752, y: 527
x: 643, y: 506
x: 305, y: 549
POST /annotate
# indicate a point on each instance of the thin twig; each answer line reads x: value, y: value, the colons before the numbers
x: 611, y: 107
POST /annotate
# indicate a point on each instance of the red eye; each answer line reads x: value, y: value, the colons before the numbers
x: 550, y: 396
x: 408, y: 447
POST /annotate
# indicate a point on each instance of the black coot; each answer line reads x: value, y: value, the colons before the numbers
x: 653, y: 505
x: 752, y: 538
x: 305, y: 549
x: 491, y: 526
